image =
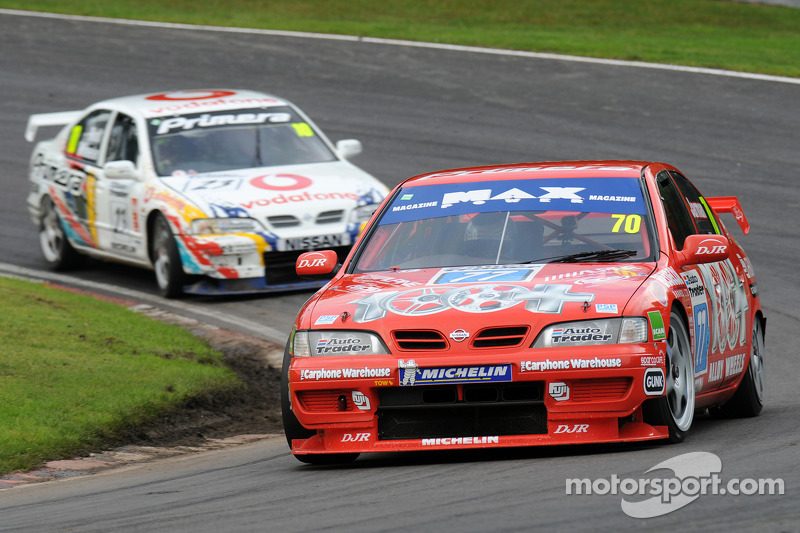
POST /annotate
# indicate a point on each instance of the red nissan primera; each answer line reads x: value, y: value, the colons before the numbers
x: 526, y: 304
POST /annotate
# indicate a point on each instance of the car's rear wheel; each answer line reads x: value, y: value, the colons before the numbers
x: 749, y: 397
x: 167, y: 260
x: 56, y: 249
x: 676, y: 408
x: 294, y: 430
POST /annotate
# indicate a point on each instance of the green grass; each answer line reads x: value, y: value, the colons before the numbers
x: 709, y: 33
x: 74, y: 372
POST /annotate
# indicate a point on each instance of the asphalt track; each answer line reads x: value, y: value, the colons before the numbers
x: 417, y: 110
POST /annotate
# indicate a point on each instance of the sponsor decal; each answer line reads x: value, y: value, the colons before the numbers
x: 338, y: 345
x: 356, y: 437
x: 747, y: 266
x: 206, y: 120
x: 572, y: 428
x: 212, y: 184
x: 734, y: 365
x: 569, y: 364
x: 282, y: 199
x: 606, y: 308
x: 459, y: 335
x: 652, y: 360
x: 711, y: 246
x: 610, y: 195
x: 654, y: 382
x: 668, y: 278
x: 411, y: 374
x: 657, y: 325
x: 460, y: 441
x: 383, y: 383
x: 409, y: 207
x: 469, y: 299
x: 715, y: 371
x: 190, y: 95
x: 700, y: 321
x: 319, y: 261
x: 406, y: 197
x: 281, y: 182
x: 698, y: 210
x: 559, y: 391
x: 578, y: 335
x: 728, y: 305
x: 597, y: 276
x: 361, y: 401
x: 344, y: 373
x: 484, y: 274
x: 325, y: 319
x: 313, y: 241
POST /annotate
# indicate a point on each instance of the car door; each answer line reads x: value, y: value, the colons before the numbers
x: 119, y: 199
x: 718, y: 314
x: 74, y: 185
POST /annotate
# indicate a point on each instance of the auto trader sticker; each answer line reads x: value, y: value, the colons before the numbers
x: 468, y: 299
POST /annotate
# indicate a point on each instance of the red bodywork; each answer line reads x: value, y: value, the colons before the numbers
x: 606, y: 395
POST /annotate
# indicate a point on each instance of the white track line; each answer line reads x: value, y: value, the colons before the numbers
x: 409, y: 44
x: 254, y: 328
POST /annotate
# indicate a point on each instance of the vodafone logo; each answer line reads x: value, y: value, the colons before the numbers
x: 190, y: 95
x: 280, y: 182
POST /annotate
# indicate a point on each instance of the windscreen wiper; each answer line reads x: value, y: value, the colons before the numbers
x: 595, y: 255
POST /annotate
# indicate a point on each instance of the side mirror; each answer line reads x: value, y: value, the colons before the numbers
x: 348, y: 148
x: 699, y: 249
x: 315, y: 264
x: 120, y: 170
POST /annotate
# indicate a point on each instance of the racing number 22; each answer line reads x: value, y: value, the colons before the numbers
x: 632, y: 223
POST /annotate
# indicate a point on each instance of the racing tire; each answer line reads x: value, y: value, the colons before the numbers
x: 294, y: 430
x: 676, y: 408
x: 167, y: 260
x: 56, y: 248
x: 749, y: 397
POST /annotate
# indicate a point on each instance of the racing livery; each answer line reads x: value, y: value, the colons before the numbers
x: 218, y: 191
x: 527, y: 304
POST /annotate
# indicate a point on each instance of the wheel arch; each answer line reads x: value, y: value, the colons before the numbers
x: 152, y: 216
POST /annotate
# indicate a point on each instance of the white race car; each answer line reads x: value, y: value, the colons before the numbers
x: 218, y: 191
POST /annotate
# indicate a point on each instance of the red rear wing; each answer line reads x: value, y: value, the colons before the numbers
x: 730, y: 204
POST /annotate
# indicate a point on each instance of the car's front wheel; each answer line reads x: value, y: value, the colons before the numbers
x: 167, y: 260
x: 56, y: 249
x: 676, y: 408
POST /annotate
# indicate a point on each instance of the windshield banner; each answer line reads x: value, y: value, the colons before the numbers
x: 585, y: 195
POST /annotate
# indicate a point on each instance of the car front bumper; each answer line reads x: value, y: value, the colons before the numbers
x: 377, y: 413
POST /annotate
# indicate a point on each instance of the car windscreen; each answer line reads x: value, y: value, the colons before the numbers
x: 510, y: 222
x: 233, y: 139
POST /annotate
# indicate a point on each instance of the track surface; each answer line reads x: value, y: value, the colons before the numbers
x: 418, y: 110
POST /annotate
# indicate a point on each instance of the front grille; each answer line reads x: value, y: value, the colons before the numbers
x: 280, y: 266
x: 330, y: 217
x: 419, y: 339
x: 482, y: 410
x: 325, y: 400
x: 500, y: 337
x: 283, y: 221
x: 599, y: 389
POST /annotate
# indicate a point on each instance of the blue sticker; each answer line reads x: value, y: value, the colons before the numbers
x: 412, y: 375
x: 597, y: 195
x: 606, y: 308
x: 702, y: 337
x: 483, y: 274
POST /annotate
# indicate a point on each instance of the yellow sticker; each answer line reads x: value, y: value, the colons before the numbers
x: 633, y: 223
x: 302, y: 129
x: 74, y: 137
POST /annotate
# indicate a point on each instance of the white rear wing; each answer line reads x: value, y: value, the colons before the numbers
x: 49, y: 119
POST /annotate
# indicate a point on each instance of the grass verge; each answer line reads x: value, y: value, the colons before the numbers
x: 76, y: 372
x: 709, y: 33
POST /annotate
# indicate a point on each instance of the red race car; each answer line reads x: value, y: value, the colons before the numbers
x: 527, y: 304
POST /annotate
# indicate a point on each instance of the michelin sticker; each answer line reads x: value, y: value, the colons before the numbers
x: 411, y: 375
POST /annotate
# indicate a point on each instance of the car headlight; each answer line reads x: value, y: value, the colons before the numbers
x: 206, y: 226
x: 363, y: 213
x: 336, y: 342
x: 588, y: 332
